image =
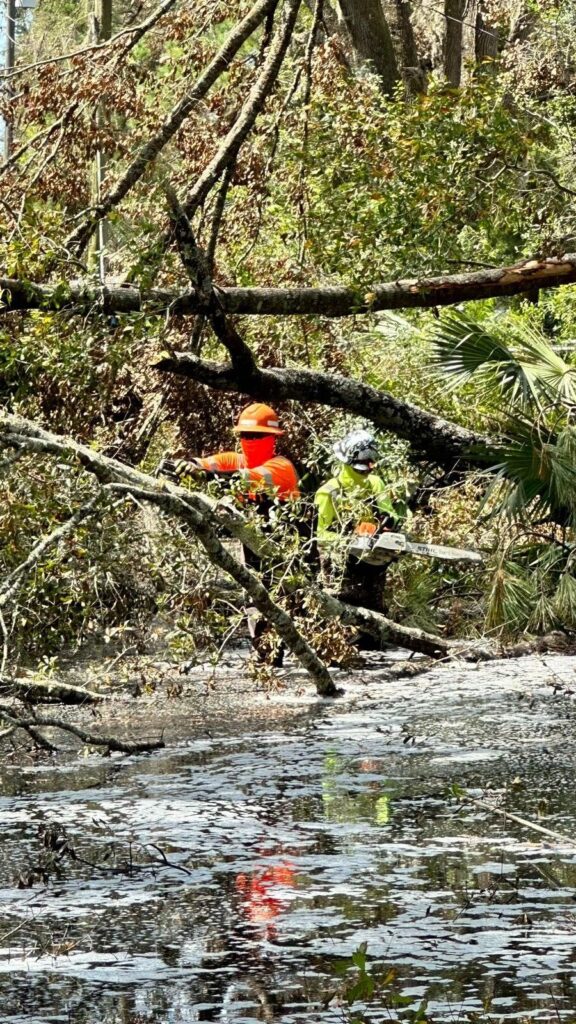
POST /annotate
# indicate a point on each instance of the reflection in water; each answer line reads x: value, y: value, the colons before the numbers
x: 297, y: 847
x: 263, y: 894
x: 340, y: 804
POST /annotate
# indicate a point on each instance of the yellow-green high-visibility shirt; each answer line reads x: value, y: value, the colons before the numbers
x: 349, y: 485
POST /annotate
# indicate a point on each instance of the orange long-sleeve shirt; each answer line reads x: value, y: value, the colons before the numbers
x: 257, y: 462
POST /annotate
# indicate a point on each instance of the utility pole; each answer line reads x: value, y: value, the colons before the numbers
x: 9, y: 58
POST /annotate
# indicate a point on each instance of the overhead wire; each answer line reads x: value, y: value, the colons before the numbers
x: 552, y: 33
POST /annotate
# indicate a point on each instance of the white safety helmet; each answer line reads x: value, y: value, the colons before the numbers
x: 358, y: 449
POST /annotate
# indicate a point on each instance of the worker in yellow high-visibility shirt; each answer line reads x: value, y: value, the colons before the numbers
x: 355, y: 499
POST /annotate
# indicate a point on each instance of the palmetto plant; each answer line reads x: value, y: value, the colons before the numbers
x: 531, y: 392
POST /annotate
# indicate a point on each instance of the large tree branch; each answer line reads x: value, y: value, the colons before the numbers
x: 203, y: 527
x: 387, y: 632
x: 330, y: 301
x: 404, y: 419
x: 189, y: 506
x: 196, y: 266
x: 250, y: 110
x: 430, y: 434
x: 79, y: 238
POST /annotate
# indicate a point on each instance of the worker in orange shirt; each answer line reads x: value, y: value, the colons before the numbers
x: 268, y: 476
x: 258, y: 428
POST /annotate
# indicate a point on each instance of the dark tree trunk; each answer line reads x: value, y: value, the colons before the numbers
x: 430, y: 435
x: 371, y: 39
x: 486, y: 41
x: 454, y: 14
x: 413, y: 75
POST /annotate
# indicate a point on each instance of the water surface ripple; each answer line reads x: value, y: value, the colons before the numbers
x: 237, y: 869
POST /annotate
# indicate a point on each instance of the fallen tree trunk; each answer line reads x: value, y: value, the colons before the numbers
x: 35, y: 691
x: 331, y: 301
x: 429, y: 434
x: 192, y: 507
x: 387, y: 632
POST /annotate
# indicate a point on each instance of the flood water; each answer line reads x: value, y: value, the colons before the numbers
x: 303, y: 835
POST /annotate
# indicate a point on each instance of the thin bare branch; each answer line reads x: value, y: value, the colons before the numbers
x: 79, y: 238
x: 250, y: 110
x: 196, y: 267
x: 136, y: 32
x: 11, y: 583
x: 43, y: 135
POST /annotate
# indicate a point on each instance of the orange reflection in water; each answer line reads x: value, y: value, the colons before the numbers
x: 262, y: 899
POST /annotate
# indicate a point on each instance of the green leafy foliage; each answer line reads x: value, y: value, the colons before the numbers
x: 336, y: 184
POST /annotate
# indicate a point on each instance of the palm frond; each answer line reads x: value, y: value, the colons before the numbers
x: 543, y: 618
x: 565, y: 600
x: 563, y: 471
x: 510, y: 599
x: 462, y: 346
x: 548, y: 367
x: 526, y: 371
x: 537, y: 475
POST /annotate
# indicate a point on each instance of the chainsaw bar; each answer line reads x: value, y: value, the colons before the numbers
x: 379, y: 550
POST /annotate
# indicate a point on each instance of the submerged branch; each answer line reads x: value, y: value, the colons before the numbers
x: 30, y: 723
x: 525, y: 822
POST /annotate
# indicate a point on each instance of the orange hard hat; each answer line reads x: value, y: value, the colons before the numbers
x: 258, y: 419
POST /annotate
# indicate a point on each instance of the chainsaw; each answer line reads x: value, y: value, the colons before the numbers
x: 377, y: 549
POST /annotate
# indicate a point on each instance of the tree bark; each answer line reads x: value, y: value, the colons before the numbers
x: 35, y: 692
x: 410, y: 293
x: 371, y: 39
x: 412, y: 72
x: 454, y: 14
x: 486, y: 41
x: 388, y: 633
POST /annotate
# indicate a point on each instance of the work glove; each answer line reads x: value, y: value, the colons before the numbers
x: 365, y: 529
x: 177, y: 468
x: 188, y: 467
